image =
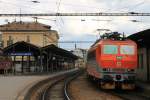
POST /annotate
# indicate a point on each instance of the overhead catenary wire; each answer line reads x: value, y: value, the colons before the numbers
x: 59, y: 22
x: 134, y: 6
x: 76, y: 41
x: 60, y: 2
x: 127, y: 7
x: 24, y: 5
x: 58, y: 9
x: 74, y: 5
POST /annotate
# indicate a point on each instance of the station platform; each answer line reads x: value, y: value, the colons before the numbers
x: 15, y: 87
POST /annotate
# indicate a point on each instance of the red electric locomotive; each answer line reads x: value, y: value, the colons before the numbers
x: 112, y: 63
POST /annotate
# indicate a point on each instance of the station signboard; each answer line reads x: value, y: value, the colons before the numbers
x: 21, y: 54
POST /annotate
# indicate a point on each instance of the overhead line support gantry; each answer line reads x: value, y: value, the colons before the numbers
x: 75, y: 14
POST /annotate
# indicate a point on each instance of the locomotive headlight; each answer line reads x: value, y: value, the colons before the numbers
x: 106, y: 69
x: 130, y: 70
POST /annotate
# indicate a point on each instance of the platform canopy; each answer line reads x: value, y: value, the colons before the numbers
x: 22, y: 48
x: 141, y: 38
x: 59, y: 51
x: 27, y: 49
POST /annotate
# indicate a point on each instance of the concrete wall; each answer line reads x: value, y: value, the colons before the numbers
x: 142, y: 70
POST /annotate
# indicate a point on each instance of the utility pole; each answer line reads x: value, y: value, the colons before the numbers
x: 20, y: 15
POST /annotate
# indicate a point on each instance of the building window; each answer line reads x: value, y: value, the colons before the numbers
x: 10, y: 41
x: 1, y: 44
x: 10, y: 37
x: 140, y: 62
x: 28, y: 38
x: 1, y: 41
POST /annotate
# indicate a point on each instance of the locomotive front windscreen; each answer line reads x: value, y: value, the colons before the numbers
x: 127, y: 49
x: 124, y: 49
x: 110, y: 49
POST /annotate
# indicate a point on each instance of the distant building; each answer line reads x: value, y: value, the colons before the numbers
x: 81, y: 53
x: 32, y: 32
x: 143, y: 41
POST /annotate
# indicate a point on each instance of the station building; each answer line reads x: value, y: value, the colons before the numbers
x: 32, y: 32
x: 143, y: 41
x: 28, y: 57
x: 32, y: 46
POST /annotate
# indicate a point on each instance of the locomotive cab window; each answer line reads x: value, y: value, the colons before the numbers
x: 110, y: 49
x: 127, y: 49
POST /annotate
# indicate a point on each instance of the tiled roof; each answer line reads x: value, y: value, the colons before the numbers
x: 24, y: 26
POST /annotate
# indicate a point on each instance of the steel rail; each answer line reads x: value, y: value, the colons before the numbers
x: 67, y: 82
x: 37, y: 89
x: 45, y: 94
x: 66, y: 93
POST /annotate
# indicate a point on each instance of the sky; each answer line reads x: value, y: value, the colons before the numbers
x: 81, y: 28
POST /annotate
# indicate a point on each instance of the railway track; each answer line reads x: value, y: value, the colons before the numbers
x: 54, y: 92
x: 52, y: 89
x: 137, y: 94
x: 130, y: 95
